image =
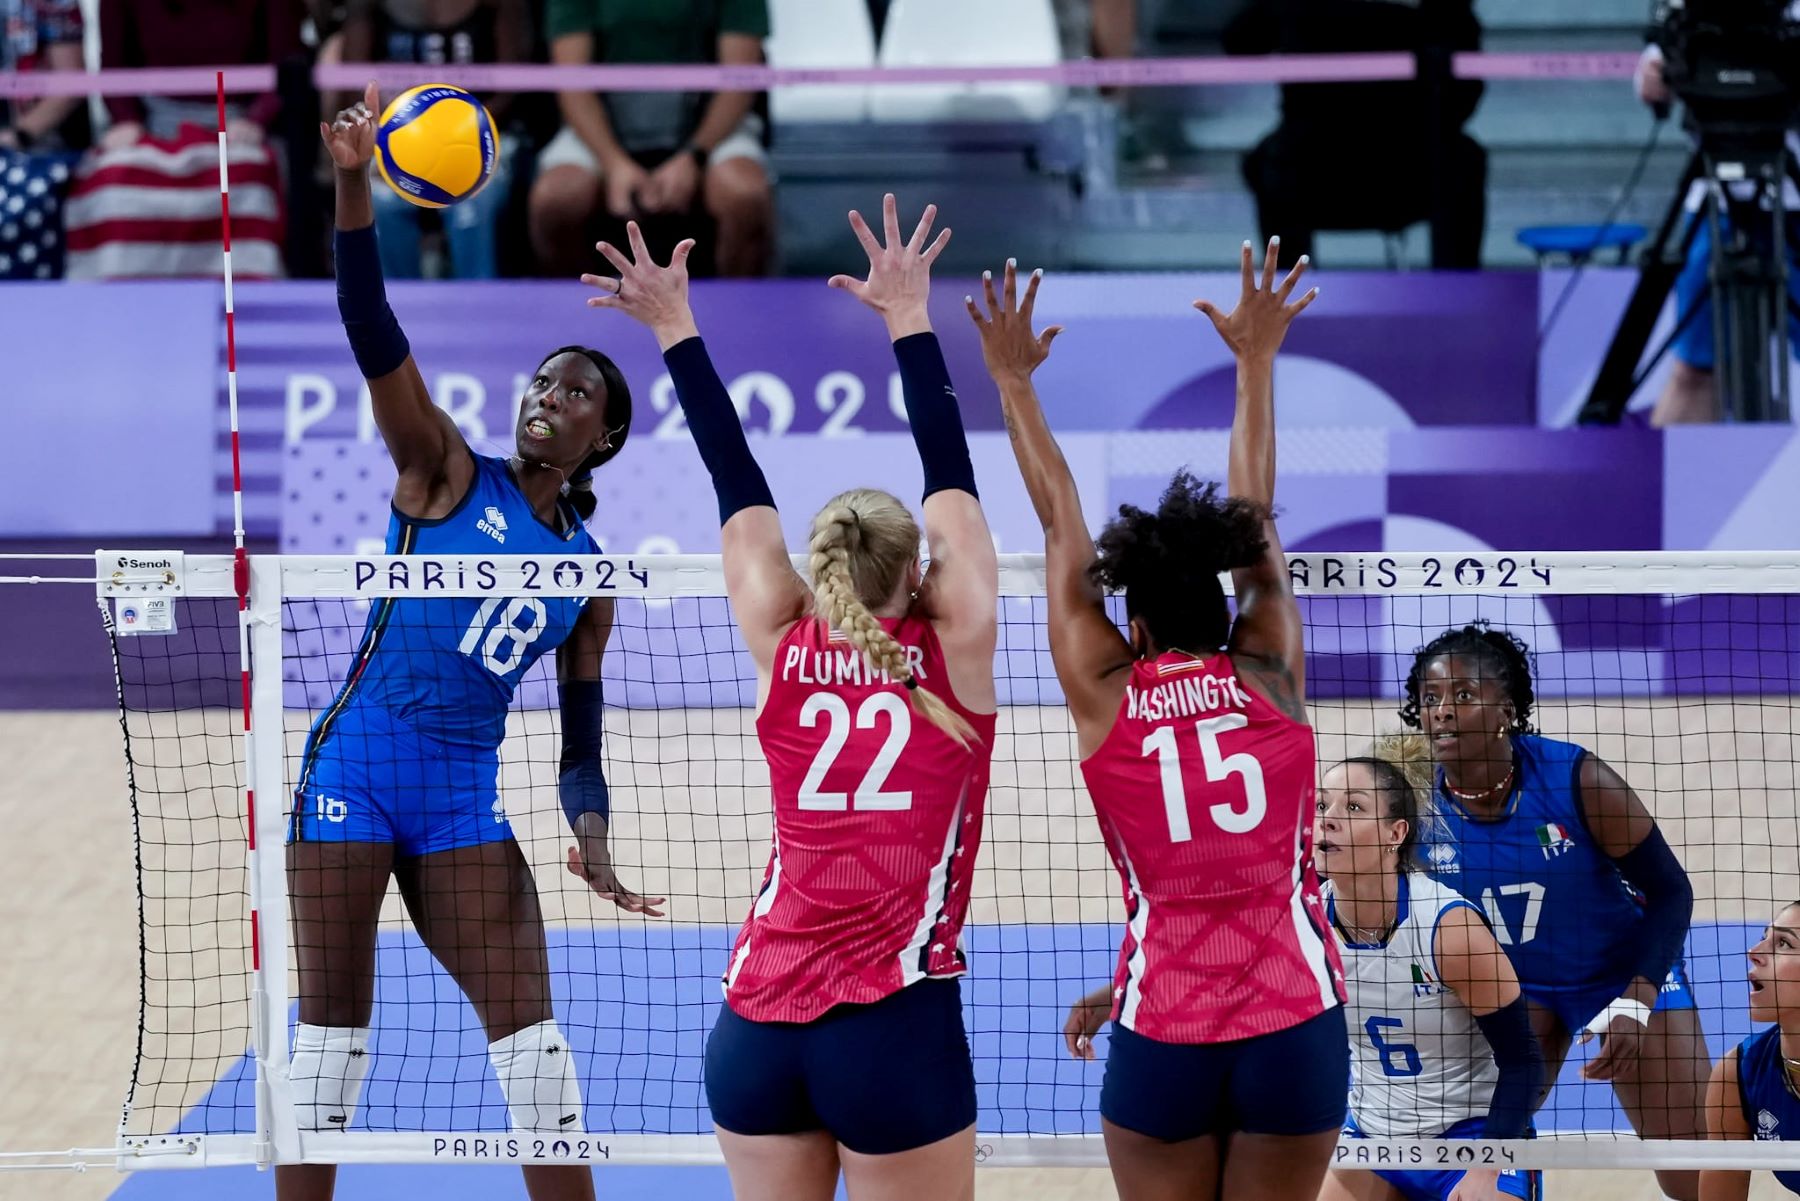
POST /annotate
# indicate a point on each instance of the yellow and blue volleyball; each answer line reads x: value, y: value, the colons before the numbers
x: 436, y: 145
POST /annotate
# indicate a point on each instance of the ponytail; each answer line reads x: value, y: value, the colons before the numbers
x: 839, y: 534
x: 579, y: 491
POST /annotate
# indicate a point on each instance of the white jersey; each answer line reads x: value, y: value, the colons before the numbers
x: 1419, y: 1062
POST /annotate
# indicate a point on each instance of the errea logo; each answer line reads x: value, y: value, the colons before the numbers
x: 1443, y: 858
x: 1767, y: 1126
x: 494, y: 524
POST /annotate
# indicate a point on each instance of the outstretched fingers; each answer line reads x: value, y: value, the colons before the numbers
x: 1293, y: 277
x: 864, y: 234
x: 1271, y: 261
x: 1012, y: 285
x: 1246, y: 271
x: 615, y: 256
x: 1212, y: 310
x: 922, y: 231
x: 975, y: 314
x: 987, y: 290
x: 1030, y: 301
x: 937, y: 247
x: 890, y: 220
x: 640, y: 252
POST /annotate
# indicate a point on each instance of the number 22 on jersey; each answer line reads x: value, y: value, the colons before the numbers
x: 871, y: 793
x: 1165, y: 744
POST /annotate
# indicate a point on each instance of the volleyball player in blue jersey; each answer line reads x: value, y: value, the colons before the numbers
x: 1581, y: 888
x: 1755, y: 1089
x: 400, y: 772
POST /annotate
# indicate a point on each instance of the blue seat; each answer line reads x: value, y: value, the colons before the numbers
x: 1578, y: 243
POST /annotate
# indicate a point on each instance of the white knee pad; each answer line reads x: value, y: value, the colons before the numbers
x: 537, y: 1076
x: 326, y: 1071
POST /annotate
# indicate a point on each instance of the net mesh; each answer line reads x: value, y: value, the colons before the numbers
x: 1690, y: 698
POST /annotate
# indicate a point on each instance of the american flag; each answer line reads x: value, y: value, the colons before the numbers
x: 31, y: 200
x: 151, y: 210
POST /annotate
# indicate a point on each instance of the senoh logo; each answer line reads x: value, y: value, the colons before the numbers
x: 493, y: 524
x: 127, y: 563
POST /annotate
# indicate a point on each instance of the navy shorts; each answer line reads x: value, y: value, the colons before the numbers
x: 1576, y: 1006
x: 373, y: 778
x: 1291, y: 1082
x: 1437, y: 1186
x: 885, y: 1077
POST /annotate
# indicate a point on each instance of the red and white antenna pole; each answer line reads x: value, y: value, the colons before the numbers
x: 241, y: 580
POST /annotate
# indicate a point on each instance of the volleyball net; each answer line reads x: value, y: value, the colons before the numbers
x: 1678, y: 669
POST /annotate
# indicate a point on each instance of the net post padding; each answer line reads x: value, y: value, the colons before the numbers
x: 683, y: 760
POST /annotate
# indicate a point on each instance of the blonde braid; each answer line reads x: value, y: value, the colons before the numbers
x: 837, y: 533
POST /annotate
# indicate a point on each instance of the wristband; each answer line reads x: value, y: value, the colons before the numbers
x: 1637, y: 1011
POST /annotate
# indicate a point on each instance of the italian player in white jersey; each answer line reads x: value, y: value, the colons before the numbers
x: 1440, y: 1040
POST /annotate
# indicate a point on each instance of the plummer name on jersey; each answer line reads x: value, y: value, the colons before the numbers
x: 843, y: 666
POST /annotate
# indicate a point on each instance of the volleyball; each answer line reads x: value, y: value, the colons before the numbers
x: 436, y: 145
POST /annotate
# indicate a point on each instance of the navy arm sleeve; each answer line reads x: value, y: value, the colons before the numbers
x: 931, y: 408
x: 1652, y: 869
x: 375, y: 335
x: 581, y: 782
x: 737, y: 480
x: 1521, y: 1064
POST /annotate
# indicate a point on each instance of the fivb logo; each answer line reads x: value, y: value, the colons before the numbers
x: 494, y: 524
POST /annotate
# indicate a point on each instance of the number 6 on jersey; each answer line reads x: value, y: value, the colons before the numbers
x: 1164, y: 743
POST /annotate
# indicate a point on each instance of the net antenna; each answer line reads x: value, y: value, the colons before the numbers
x: 240, y: 575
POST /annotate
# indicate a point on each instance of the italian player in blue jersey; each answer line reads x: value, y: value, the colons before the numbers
x: 1755, y: 1089
x: 1580, y: 886
x: 399, y: 778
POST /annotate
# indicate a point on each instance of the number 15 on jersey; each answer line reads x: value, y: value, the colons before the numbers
x: 1165, y: 743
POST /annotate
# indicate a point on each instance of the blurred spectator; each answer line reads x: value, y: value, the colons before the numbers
x: 636, y: 154
x: 1369, y: 155
x: 1097, y: 28
x: 194, y: 33
x: 42, y: 35
x: 36, y: 136
x: 145, y: 203
x: 436, y: 32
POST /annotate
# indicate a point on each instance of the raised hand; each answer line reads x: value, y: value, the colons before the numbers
x: 1008, y: 346
x: 350, y: 138
x: 899, y: 281
x: 657, y: 296
x: 1259, y: 323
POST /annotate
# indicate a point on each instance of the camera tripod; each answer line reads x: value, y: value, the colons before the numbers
x: 1747, y: 280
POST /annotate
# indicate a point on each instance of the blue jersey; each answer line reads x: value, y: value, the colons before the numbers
x: 447, y: 667
x: 1556, y: 901
x: 1766, y: 1095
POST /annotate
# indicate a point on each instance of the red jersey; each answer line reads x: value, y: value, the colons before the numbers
x: 877, y: 823
x: 1204, y: 791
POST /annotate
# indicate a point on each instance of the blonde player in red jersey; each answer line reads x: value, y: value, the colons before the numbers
x: 1226, y: 1069
x: 841, y: 1043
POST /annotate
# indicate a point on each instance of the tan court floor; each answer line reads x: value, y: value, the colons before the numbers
x: 68, y: 993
